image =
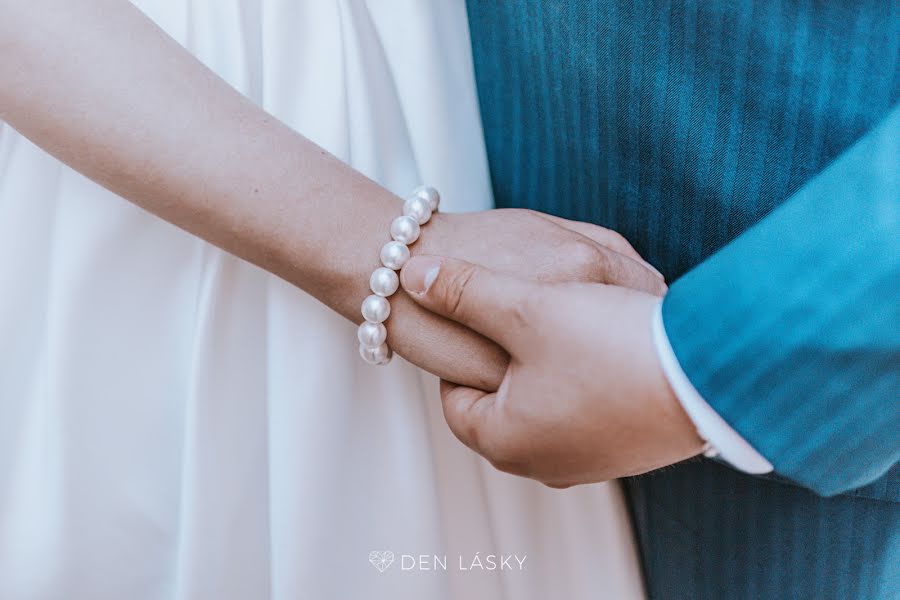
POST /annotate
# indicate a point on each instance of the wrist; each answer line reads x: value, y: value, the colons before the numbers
x: 669, y: 425
x: 335, y: 250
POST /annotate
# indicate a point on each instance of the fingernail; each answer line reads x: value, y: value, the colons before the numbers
x: 419, y: 273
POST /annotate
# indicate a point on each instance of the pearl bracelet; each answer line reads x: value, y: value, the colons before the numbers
x: 417, y: 210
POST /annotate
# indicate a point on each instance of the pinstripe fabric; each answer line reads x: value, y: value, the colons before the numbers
x: 682, y: 124
x: 803, y: 313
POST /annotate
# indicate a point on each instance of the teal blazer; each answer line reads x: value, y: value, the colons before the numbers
x: 750, y: 150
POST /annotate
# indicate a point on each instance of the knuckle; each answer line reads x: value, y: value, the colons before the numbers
x: 586, y: 259
x: 617, y: 240
x: 604, y: 268
x: 594, y: 263
x: 583, y: 252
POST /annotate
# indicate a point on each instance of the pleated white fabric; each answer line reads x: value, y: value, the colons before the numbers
x: 176, y: 423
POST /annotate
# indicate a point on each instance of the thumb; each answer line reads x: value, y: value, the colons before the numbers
x: 491, y: 303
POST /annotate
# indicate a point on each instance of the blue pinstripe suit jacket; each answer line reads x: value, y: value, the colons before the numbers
x: 749, y: 149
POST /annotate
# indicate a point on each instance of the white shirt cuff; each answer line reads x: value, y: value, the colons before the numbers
x: 721, y: 439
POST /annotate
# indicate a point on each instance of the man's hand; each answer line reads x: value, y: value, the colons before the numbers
x: 584, y: 398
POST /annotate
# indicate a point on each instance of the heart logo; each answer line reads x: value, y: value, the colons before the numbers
x: 381, y: 560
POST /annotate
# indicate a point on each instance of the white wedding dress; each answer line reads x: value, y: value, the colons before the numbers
x: 176, y: 423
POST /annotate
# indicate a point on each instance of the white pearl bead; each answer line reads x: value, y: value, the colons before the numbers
x: 376, y: 356
x: 428, y: 193
x: 384, y: 281
x: 371, y: 335
x: 405, y: 230
x: 375, y: 309
x: 387, y: 358
x: 417, y: 208
x: 394, y: 255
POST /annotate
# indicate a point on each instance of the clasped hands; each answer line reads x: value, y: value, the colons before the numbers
x: 541, y: 331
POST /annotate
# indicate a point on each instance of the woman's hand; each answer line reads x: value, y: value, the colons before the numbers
x: 539, y: 246
x: 515, y: 242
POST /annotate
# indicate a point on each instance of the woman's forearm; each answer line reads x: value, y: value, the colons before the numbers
x: 98, y: 85
x: 101, y: 87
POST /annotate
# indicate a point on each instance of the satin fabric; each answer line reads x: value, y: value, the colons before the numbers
x: 176, y: 423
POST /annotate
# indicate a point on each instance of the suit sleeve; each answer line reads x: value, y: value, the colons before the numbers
x: 792, y: 331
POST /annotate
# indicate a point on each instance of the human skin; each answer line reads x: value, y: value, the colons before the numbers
x: 121, y: 102
x: 584, y: 398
